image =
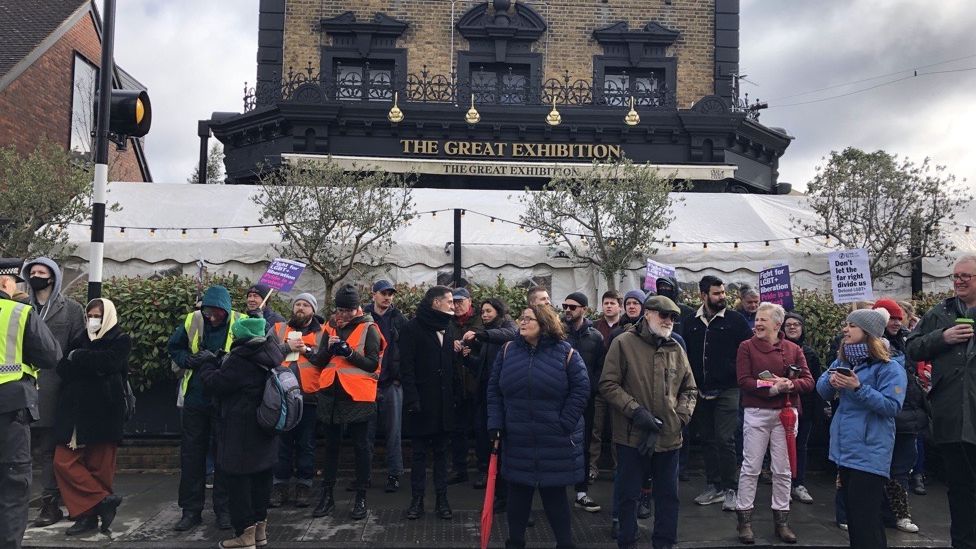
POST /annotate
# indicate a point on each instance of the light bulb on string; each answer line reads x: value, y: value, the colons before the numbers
x: 152, y: 232
x: 182, y: 233
x: 215, y: 232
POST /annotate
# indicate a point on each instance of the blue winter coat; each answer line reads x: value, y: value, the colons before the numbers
x: 862, y: 432
x: 537, y: 399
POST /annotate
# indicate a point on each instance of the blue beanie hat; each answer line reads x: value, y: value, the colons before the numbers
x: 635, y: 294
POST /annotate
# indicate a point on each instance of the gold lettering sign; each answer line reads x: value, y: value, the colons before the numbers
x: 489, y: 149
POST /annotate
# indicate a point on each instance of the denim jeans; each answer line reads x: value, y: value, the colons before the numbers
x: 716, y: 421
x: 389, y: 414
x: 632, y: 469
x: 296, y: 450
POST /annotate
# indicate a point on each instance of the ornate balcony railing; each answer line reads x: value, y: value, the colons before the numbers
x: 377, y: 84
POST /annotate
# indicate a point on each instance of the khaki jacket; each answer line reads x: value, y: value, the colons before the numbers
x: 639, y: 372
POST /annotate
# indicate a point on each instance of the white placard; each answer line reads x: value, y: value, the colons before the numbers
x: 850, y: 276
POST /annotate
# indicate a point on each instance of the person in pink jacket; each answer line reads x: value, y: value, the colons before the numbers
x: 771, y: 372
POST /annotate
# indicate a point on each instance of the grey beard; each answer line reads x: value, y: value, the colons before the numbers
x: 660, y: 331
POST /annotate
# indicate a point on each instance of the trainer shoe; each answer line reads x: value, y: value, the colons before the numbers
x: 801, y: 494
x: 711, y: 495
x: 728, y: 501
x: 906, y: 525
x: 587, y: 504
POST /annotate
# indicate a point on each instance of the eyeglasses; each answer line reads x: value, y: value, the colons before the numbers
x: 568, y: 307
x: 793, y: 325
x: 345, y: 311
x: 526, y: 319
x: 664, y: 315
x: 962, y: 277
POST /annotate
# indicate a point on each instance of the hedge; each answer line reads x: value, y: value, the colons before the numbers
x: 151, y: 308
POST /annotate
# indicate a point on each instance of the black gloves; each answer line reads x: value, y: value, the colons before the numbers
x: 413, y: 408
x: 646, y: 446
x: 340, y: 348
x: 494, y: 434
x: 196, y: 360
x: 644, y: 420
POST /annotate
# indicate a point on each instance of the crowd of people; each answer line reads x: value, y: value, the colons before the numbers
x: 544, y: 387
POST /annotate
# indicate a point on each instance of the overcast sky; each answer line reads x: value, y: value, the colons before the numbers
x: 194, y: 57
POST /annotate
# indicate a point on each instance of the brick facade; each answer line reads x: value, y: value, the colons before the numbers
x: 38, y: 103
x: 569, y: 38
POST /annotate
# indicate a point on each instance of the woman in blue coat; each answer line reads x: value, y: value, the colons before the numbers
x: 871, y: 390
x: 536, y: 395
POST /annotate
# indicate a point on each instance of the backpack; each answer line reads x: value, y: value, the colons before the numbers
x: 280, y: 409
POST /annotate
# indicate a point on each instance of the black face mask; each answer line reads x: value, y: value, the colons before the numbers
x: 37, y: 283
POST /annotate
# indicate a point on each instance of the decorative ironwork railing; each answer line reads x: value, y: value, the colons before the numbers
x: 378, y: 83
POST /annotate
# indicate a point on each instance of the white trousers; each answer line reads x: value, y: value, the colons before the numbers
x: 763, y: 429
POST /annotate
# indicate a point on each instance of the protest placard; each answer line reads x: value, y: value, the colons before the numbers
x: 850, y: 276
x: 282, y: 274
x: 775, y: 286
x: 655, y: 271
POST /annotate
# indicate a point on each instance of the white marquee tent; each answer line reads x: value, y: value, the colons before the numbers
x: 489, y: 248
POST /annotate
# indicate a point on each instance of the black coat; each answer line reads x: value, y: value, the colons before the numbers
x: 91, y: 397
x: 243, y: 446
x: 588, y: 342
x: 712, y: 349
x: 427, y: 374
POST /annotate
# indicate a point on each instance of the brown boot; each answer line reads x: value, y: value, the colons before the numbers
x: 783, y: 532
x: 261, y: 533
x: 243, y: 541
x: 745, y: 527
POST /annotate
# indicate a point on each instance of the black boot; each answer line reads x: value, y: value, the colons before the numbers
x: 83, y: 526
x: 187, y: 521
x: 106, y: 510
x: 50, y: 512
x: 442, y: 507
x: 358, y: 511
x: 509, y: 544
x: 326, y: 503
x: 416, y: 509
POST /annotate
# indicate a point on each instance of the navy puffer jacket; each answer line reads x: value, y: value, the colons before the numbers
x: 537, y: 399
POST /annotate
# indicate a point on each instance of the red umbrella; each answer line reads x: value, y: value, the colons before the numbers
x: 787, y: 416
x: 486, y: 509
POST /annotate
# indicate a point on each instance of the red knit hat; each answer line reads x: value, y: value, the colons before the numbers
x: 889, y: 305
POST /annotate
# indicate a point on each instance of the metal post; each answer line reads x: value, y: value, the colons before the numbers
x: 457, y: 248
x: 915, y: 250
x: 203, y: 131
x: 106, y: 69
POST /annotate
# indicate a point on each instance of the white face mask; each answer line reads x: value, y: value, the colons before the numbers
x: 94, y: 325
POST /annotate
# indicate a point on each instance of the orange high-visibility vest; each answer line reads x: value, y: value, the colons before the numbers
x: 359, y: 384
x: 308, y: 372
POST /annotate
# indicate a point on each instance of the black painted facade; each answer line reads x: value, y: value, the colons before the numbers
x: 344, y: 109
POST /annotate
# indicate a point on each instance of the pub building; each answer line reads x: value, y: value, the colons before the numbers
x: 501, y: 94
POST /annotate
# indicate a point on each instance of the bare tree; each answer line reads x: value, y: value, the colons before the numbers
x: 331, y: 219
x: 890, y: 207
x: 607, y: 218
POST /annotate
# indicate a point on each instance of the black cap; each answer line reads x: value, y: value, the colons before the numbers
x: 10, y: 266
x: 580, y: 298
x: 260, y: 289
x: 347, y: 297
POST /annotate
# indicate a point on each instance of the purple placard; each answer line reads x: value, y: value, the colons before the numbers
x: 775, y: 287
x: 654, y: 271
x: 282, y: 274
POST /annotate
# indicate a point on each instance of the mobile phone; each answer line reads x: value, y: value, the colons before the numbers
x: 843, y: 371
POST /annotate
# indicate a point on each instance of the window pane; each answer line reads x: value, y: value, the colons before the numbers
x: 380, y: 84
x: 83, y: 106
x: 616, y: 89
x: 349, y: 81
x: 500, y: 83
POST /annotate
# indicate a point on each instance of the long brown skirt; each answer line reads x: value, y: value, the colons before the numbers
x: 84, y: 475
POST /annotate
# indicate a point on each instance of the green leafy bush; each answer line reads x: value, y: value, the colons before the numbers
x: 150, y: 309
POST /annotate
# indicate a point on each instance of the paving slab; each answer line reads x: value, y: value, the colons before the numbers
x: 147, y: 515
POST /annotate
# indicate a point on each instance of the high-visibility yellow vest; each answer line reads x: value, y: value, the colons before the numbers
x: 193, y: 324
x: 360, y: 385
x: 13, y: 327
x: 308, y: 372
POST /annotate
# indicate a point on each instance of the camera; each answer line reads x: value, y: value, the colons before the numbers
x: 340, y: 348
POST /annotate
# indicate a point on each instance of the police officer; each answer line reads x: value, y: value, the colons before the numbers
x: 26, y: 346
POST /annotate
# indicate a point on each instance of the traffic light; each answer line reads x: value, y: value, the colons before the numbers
x: 130, y: 114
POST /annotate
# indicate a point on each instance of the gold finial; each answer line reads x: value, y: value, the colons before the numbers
x: 395, y: 115
x: 553, y: 118
x: 632, y: 118
x: 473, y: 117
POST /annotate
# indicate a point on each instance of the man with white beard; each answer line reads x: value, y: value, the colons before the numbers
x: 651, y: 391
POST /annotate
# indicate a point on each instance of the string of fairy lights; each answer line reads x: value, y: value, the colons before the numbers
x: 216, y: 231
